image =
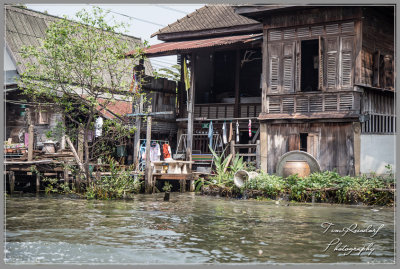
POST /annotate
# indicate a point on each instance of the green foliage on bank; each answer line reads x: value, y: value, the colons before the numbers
x: 327, y: 186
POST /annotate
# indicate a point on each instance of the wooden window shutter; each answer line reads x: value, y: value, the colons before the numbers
x: 346, y: 61
x: 376, y: 64
x: 313, y: 145
x: 274, y: 66
x: 294, y: 142
x: 332, y: 62
x: 288, y: 67
x: 321, y: 64
x: 298, y: 66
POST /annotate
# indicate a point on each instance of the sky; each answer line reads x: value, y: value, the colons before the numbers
x: 145, y: 20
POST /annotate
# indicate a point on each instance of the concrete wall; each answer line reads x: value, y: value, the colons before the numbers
x: 376, y: 152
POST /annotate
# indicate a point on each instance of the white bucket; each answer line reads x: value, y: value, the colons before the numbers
x: 242, y: 176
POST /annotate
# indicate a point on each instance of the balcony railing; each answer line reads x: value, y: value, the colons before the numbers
x: 225, y: 111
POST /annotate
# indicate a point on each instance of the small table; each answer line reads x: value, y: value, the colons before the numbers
x: 174, y: 167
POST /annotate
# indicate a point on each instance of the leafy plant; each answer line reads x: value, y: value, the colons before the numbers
x: 167, y: 187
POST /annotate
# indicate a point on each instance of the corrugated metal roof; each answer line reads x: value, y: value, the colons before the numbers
x: 25, y: 27
x: 207, y: 17
x: 182, y: 46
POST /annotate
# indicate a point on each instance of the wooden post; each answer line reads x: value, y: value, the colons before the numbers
x: 263, y: 146
x: 30, y: 134
x: 37, y: 183
x: 357, y: 147
x: 149, y: 173
x: 237, y: 81
x: 11, y: 177
x: 138, y: 124
x: 190, y: 110
x: 80, y: 143
x: 258, y: 154
x: 66, y: 174
x: 30, y: 142
x: 139, y: 69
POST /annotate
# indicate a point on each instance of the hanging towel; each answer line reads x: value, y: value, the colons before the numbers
x: 230, y: 132
x: 166, y: 151
x: 210, y: 133
x: 98, y: 126
x: 249, y: 128
x: 237, y: 131
x: 224, y: 139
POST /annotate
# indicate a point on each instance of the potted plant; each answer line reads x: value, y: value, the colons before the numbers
x: 167, y: 188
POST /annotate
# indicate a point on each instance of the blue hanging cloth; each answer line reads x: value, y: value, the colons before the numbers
x: 210, y: 133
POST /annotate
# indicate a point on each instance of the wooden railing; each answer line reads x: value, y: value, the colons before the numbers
x: 225, y: 111
x: 314, y: 102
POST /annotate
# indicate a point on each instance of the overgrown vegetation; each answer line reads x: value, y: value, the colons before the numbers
x: 327, y: 186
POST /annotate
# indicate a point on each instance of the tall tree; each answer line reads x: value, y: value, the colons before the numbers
x: 81, y: 68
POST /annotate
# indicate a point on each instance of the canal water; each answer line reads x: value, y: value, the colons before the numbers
x: 193, y: 229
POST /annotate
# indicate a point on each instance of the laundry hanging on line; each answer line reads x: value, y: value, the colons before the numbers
x: 249, y: 128
x: 237, y: 131
x: 224, y: 139
x: 210, y: 134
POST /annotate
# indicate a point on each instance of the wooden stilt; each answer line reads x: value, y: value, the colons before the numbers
x: 30, y: 142
x: 11, y: 177
x: 37, y: 182
x: 66, y: 176
x: 182, y: 185
x: 191, y: 185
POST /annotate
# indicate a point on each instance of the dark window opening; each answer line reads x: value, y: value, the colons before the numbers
x: 303, y: 141
x: 309, y: 65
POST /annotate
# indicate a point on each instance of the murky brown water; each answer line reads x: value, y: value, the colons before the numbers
x: 190, y: 229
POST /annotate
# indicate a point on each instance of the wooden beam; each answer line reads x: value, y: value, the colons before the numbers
x: 75, y: 154
x: 148, y: 177
x: 237, y: 84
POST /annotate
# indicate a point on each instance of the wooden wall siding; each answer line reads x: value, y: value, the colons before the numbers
x: 381, y: 110
x: 377, y: 42
x: 314, y: 102
x: 337, y: 56
x: 332, y: 144
x: 317, y: 15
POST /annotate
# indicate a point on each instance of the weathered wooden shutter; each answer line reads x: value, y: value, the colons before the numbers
x: 321, y: 64
x: 332, y: 62
x: 298, y: 66
x: 313, y: 145
x: 274, y: 53
x: 288, y: 67
x: 346, y: 61
x: 294, y: 142
x: 376, y: 65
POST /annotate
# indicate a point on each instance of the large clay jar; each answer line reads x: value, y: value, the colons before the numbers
x: 301, y: 168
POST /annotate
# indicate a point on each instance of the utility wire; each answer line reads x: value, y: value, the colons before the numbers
x: 142, y: 20
x: 173, y: 9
